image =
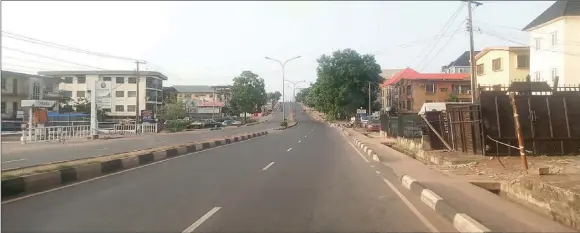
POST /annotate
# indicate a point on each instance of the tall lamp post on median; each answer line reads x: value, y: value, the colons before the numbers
x: 283, y: 64
x: 294, y: 91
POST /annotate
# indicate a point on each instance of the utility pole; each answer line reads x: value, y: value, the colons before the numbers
x: 473, y: 65
x: 137, y: 93
x: 369, y: 99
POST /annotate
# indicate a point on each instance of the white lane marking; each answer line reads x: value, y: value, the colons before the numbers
x: 11, y: 161
x: 306, y: 135
x: 103, y: 148
x: 378, y: 172
x: 299, y: 141
x: 267, y: 166
x: 358, y: 153
x: 412, y: 207
x: 373, y: 166
x: 119, y: 172
x: 289, y: 149
x: 403, y: 198
x: 203, y: 218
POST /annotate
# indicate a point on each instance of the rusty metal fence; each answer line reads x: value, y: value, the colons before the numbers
x: 406, y: 125
x: 550, y: 122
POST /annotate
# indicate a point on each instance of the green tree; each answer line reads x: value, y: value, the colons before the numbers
x: 343, y: 81
x: 248, y: 93
x: 83, y: 105
x: 302, y: 95
x: 274, y: 96
x: 172, y: 109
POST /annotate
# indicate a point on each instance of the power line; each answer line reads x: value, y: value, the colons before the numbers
x: 441, y: 49
x: 39, y: 62
x: 441, y: 31
x: 576, y: 43
x: 64, y: 47
x: 31, y: 67
x: 524, y: 44
x: 411, y: 44
x: 47, y: 57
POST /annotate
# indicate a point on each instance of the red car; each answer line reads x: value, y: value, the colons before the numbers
x: 374, y: 125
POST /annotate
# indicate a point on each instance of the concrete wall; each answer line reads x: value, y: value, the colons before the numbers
x: 547, y: 57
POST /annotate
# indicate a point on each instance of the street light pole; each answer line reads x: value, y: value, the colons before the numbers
x: 283, y: 64
x: 294, y: 91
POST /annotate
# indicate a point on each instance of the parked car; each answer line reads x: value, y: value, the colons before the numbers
x: 373, y: 125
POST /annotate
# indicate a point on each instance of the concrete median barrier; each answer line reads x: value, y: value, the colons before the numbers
x: 22, y: 181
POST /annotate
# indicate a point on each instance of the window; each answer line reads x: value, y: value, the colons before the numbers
x: 81, y: 94
x: 132, y: 80
x: 443, y: 89
x: 523, y: 61
x: 81, y: 79
x: 120, y: 79
x: 554, y: 38
x: 480, y: 70
x: 119, y: 108
x: 35, y: 91
x: 4, y: 83
x: 430, y: 87
x: 538, y: 76
x: 131, y: 94
x: 67, y: 94
x: 496, y: 64
x: 3, y: 107
x: 465, y: 89
x: 119, y: 93
x: 68, y: 79
x: 461, y: 70
x: 130, y: 108
x: 409, y: 104
x: 554, y: 74
x: 538, y: 44
x: 49, y: 88
x: 88, y: 94
x: 107, y: 79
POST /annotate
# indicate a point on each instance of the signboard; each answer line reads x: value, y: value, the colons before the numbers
x: 19, y: 114
x: 37, y: 103
x: 208, y: 110
x: 103, y: 94
x: 361, y: 111
x: 147, y: 116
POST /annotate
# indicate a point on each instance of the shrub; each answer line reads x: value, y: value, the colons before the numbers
x: 284, y: 124
x: 177, y: 125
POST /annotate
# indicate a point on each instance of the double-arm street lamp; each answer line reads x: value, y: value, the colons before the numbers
x: 294, y: 91
x: 283, y: 64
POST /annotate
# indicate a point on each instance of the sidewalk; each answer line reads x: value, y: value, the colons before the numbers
x: 487, y: 208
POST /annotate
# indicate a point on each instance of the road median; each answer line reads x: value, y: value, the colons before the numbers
x: 27, y: 180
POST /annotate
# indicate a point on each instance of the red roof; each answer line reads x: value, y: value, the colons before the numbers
x: 411, y: 74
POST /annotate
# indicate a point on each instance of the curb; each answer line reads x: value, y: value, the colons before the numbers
x: 461, y: 222
x: 48, y: 180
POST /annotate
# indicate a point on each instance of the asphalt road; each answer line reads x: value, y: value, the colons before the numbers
x: 40, y: 153
x: 304, y: 179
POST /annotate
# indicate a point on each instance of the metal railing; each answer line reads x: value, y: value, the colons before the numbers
x: 56, y: 133
x: 132, y: 129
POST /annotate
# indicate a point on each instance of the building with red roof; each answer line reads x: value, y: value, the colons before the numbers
x: 408, y: 89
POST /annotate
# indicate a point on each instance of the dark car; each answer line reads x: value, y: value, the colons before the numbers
x: 373, y: 125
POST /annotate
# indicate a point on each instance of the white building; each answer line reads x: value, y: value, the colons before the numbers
x: 460, y: 65
x: 554, y: 44
x: 75, y: 84
x: 19, y: 86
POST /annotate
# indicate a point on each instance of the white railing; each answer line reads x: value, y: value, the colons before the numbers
x: 131, y: 129
x: 56, y: 133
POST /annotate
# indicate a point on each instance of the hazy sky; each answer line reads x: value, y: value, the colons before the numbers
x: 212, y: 42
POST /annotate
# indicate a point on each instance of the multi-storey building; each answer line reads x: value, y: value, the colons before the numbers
x: 460, y: 65
x: 123, y: 88
x: 19, y: 86
x: 554, y: 37
x: 409, y: 89
x: 502, y: 65
x: 202, y: 99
